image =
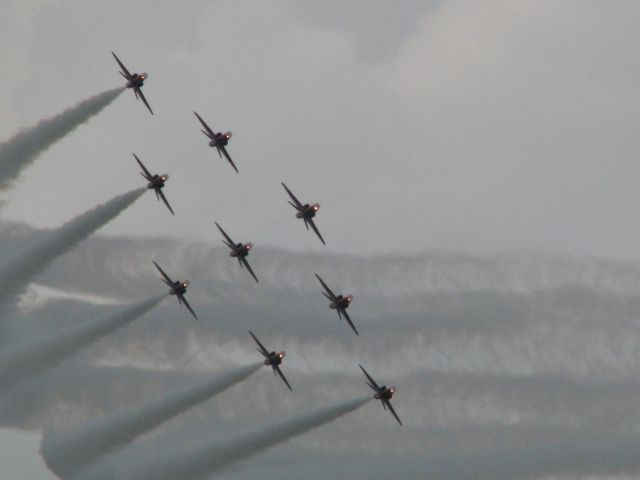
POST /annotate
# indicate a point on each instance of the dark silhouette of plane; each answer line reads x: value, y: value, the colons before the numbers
x: 238, y: 250
x: 339, y: 303
x: 306, y: 212
x: 218, y: 140
x: 156, y: 182
x: 135, y: 81
x: 177, y: 288
x: 383, y: 393
x: 272, y: 358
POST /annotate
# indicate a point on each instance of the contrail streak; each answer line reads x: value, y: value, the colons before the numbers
x: 66, y: 452
x: 22, y: 362
x: 16, y: 276
x: 22, y: 149
x: 213, y: 456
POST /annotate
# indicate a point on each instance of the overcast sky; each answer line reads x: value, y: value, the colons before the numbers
x: 439, y: 125
x: 473, y: 126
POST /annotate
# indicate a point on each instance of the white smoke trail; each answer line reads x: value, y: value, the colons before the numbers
x: 16, y: 276
x: 213, y: 456
x: 22, y: 362
x: 66, y: 452
x: 22, y: 149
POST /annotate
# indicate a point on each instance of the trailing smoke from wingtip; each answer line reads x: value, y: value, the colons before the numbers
x: 23, y: 148
x: 212, y: 455
x: 24, y: 361
x: 66, y: 452
x: 18, y: 273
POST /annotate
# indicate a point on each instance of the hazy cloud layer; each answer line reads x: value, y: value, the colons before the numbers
x: 505, y: 358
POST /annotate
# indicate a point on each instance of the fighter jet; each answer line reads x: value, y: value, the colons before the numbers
x: 306, y: 212
x: 271, y: 358
x: 134, y: 80
x: 383, y: 393
x: 238, y: 250
x: 156, y: 183
x: 177, y: 288
x: 339, y: 303
x: 218, y: 140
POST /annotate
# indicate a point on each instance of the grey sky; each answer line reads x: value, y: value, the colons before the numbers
x: 420, y: 126
x: 474, y: 127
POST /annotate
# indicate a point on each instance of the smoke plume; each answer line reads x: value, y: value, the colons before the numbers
x: 66, y: 452
x: 21, y: 362
x: 22, y: 149
x: 18, y: 273
x: 212, y: 456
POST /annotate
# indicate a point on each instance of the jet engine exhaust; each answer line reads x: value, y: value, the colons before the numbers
x: 66, y: 452
x: 21, y: 362
x: 21, y: 150
x: 213, y: 456
x: 18, y: 273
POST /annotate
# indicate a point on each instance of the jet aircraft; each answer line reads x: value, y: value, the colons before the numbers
x: 383, y: 393
x: 134, y: 80
x: 306, y: 212
x: 156, y: 183
x: 218, y: 140
x: 177, y: 288
x: 271, y: 358
x: 339, y: 303
x: 238, y: 250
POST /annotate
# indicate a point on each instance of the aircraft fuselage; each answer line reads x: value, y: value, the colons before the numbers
x: 341, y: 302
x: 385, y: 393
x: 241, y: 250
x: 308, y: 211
x: 157, y: 181
x: 220, y: 140
x: 275, y: 358
x: 137, y: 80
x: 179, y: 288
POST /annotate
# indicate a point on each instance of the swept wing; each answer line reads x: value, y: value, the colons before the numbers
x: 277, y: 370
x: 297, y: 203
x: 166, y: 278
x: 329, y: 294
x: 244, y: 261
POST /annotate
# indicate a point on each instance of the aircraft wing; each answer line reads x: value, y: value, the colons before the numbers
x: 144, y: 100
x: 315, y: 229
x: 346, y: 317
x: 146, y: 174
x: 279, y: 372
x: 226, y: 155
x: 210, y: 133
x: 373, y: 383
x: 126, y: 73
x: 393, y: 412
x: 186, y: 304
x: 326, y: 288
x: 262, y: 350
x: 293, y: 197
x: 164, y: 199
x: 231, y: 243
x: 166, y: 277
x: 246, y: 264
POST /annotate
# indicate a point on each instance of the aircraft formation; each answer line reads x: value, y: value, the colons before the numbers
x: 305, y: 211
